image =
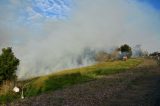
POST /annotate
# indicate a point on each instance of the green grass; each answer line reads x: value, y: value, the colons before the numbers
x: 66, y: 78
x: 9, y: 97
x: 55, y: 82
x: 70, y: 77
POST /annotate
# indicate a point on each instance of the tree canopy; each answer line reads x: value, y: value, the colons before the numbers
x: 8, y: 64
x: 126, y: 49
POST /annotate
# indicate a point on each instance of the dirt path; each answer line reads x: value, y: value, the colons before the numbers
x: 136, y: 87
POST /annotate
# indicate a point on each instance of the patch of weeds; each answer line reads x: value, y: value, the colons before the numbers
x: 32, y: 91
x: 9, y: 97
x: 58, y: 82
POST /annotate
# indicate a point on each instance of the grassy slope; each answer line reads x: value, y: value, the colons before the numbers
x: 66, y: 78
x: 74, y: 76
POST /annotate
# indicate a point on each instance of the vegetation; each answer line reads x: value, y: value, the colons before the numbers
x: 67, y: 78
x: 8, y: 64
x: 102, y: 56
x: 126, y: 49
x: 70, y: 77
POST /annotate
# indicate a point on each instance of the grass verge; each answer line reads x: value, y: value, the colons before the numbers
x: 75, y: 76
x: 67, y: 78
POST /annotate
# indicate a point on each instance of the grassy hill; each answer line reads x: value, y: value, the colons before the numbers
x: 70, y: 77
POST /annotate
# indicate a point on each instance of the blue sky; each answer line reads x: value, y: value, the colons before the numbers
x: 154, y: 3
x: 29, y: 10
x: 33, y: 10
x: 52, y: 8
x: 15, y: 13
x: 61, y: 8
x: 31, y: 14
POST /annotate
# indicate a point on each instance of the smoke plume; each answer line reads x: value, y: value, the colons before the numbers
x: 47, y: 45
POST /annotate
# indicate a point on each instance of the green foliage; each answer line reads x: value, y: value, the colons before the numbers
x: 126, y: 49
x: 9, y: 97
x: 71, y: 77
x: 158, y: 62
x: 57, y: 82
x: 8, y: 64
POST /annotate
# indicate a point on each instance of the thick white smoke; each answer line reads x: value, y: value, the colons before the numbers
x: 57, y: 45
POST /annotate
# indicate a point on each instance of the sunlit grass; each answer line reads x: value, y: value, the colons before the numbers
x: 70, y: 77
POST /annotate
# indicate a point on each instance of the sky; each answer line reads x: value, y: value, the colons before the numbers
x: 49, y: 35
x: 154, y: 3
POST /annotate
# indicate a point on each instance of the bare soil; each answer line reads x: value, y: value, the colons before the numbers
x: 136, y: 87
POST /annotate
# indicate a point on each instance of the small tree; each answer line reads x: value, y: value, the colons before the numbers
x: 8, y: 64
x: 126, y: 49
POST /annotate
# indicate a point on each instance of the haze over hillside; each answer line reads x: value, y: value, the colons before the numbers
x: 49, y: 35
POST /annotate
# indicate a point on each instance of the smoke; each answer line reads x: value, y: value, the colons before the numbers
x: 45, y: 45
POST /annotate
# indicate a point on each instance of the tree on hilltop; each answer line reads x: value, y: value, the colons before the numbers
x: 126, y: 49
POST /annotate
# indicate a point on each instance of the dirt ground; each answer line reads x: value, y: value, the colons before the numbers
x: 136, y: 87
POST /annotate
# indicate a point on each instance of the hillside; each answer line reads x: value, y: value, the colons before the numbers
x: 109, y: 83
x: 66, y: 78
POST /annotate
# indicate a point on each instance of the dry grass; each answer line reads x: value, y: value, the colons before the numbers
x: 40, y: 81
x: 111, y: 64
x: 148, y: 63
x: 6, y: 87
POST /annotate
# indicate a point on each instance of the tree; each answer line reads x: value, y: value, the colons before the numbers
x: 8, y: 64
x: 126, y: 49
